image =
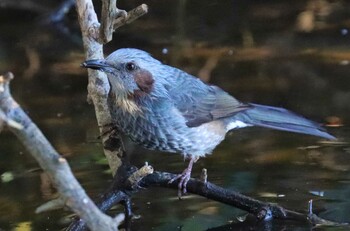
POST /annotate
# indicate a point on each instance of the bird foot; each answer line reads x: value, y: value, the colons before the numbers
x: 183, y: 178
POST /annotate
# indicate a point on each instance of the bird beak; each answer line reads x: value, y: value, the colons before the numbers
x: 97, y: 64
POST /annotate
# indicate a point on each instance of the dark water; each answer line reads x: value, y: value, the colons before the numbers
x: 252, y: 49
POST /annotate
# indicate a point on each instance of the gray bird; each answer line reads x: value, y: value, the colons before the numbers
x: 164, y: 108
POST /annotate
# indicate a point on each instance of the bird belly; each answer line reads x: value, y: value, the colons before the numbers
x: 206, y: 137
x: 169, y: 132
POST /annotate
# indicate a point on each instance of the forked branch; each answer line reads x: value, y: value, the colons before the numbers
x: 113, y: 18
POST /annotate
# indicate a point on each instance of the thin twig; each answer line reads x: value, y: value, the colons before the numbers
x: 131, y: 16
x: 137, y: 176
x: 55, y: 204
x: 113, y: 18
x: 204, y: 175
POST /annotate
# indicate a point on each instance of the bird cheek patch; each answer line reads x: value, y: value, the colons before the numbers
x: 144, y: 80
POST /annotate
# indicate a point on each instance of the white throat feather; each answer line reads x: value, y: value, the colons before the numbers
x: 127, y: 104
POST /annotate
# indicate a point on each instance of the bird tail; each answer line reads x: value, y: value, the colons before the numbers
x: 281, y: 119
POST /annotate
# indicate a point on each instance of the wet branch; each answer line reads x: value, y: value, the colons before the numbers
x: 262, y: 210
x: 125, y: 183
x: 51, y: 162
x: 120, y: 190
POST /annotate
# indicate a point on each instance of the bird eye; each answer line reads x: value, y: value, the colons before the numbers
x: 130, y: 66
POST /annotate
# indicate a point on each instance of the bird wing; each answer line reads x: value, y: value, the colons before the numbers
x: 201, y: 103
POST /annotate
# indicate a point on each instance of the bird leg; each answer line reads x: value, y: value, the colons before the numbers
x: 184, y: 177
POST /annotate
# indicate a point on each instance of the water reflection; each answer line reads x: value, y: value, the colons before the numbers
x: 293, y: 54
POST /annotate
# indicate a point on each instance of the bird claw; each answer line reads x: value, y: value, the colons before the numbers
x: 183, y: 178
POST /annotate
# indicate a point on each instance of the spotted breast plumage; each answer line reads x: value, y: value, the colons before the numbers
x: 164, y: 108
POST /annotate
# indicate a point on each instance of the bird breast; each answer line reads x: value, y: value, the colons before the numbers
x: 165, y: 129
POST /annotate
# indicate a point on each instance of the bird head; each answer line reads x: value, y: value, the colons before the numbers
x: 135, y: 78
x: 129, y: 71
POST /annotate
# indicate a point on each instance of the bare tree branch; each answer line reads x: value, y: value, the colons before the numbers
x: 50, y: 161
x: 109, y: 13
x: 113, y: 18
x: 263, y: 211
x: 211, y: 191
x: 98, y: 86
x: 131, y: 16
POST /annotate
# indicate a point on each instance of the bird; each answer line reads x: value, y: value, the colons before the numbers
x: 163, y: 108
